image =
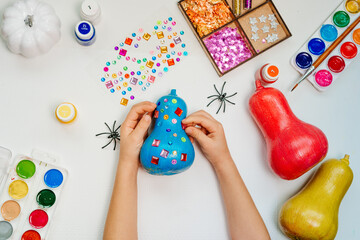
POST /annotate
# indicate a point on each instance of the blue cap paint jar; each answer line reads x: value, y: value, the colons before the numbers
x: 303, y: 60
x: 316, y: 46
x: 53, y: 178
x: 85, y: 33
x: 328, y: 32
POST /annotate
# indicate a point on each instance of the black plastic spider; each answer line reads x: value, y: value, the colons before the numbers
x: 222, y: 97
x: 113, y: 134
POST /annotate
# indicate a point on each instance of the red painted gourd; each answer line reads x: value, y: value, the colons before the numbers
x: 293, y: 146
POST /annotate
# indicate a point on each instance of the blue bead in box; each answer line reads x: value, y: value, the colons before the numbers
x: 168, y: 150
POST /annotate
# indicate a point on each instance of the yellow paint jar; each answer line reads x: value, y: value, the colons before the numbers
x: 66, y: 113
x: 352, y: 6
x: 18, y: 189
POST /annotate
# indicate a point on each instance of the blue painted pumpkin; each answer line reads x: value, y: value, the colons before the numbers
x: 168, y: 150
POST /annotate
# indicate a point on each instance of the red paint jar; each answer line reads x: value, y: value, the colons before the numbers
x: 31, y: 235
x: 336, y: 64
x: 38, y: 218
x: 348, y: 50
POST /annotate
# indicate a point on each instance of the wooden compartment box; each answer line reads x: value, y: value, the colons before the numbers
x: 230, y: 40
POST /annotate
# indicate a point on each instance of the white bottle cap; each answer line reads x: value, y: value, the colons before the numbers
x: 84, y: 30
x: 66, y: 113
x: 270, y: 73
x: 90, y: 11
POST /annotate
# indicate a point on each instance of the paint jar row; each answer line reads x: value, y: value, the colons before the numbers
x: 28, y: 202
x: 322, y: 39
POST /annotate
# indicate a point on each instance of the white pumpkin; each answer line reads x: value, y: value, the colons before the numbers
x: 30, y: 27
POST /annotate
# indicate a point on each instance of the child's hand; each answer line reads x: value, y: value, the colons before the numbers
x: 210, y: 136
x: 134, y: 130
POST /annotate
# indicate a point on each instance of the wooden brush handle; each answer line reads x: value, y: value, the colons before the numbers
x: 336, y: 43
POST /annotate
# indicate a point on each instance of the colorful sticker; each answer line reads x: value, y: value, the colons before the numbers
x: 128, y: 68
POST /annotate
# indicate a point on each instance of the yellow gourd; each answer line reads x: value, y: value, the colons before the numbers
x: 312, y: 214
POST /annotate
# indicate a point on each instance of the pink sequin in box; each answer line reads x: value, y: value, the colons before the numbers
x: 230, y: 40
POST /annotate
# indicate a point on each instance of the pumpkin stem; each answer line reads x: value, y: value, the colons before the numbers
x: 29, y: 20
x: 258, y: 85
x: 346, y: 159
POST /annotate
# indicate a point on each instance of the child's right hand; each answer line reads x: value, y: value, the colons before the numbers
x: 210, y: 136
x: 133, y: 132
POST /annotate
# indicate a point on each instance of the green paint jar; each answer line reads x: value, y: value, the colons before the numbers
x: 25, y: 169
x: 46, y: 198
x: 341, y: 19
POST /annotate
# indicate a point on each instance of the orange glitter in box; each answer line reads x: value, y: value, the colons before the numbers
x: 127, y: 75
x: 207, y: 15
x: 172, y: 45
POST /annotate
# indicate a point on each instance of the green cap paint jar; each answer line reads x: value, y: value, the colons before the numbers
x: 341, y: 19
x: 25, y: 169
x: 46, y: 198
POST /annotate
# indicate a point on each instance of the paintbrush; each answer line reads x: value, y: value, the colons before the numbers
x: 323, y: 56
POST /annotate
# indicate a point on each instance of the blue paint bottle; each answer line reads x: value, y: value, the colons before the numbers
x: 85, y: 33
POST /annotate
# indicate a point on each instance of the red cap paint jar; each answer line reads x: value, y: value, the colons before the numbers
x: 336, y: 64
x: 323, y: 78
x: 348, y: 50
x: 31, y: 235
x: 38, y: 218
x: 268, y: 73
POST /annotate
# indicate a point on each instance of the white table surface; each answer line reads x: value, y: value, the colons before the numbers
x: 186, y: 206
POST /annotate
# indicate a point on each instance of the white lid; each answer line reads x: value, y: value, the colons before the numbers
x: 66, y: 112
x: 90, y: 10
x: 270, y: 77
x: 84, y: 30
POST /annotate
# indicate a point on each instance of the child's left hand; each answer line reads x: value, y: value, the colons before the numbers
x: 133, y: 132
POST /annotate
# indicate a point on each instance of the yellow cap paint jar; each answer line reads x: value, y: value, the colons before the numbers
x: 18, y: 189
x: 66, y: 113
